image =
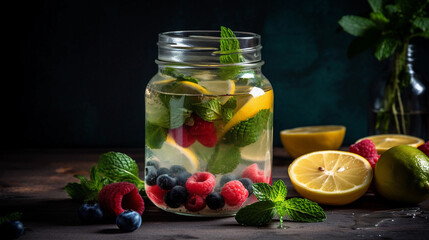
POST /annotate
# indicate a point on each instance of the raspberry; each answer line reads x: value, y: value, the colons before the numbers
x: 182, y: 136
x: 201, y: 183
x: 195, y: 203
x: 156, y: 194
x: 366, y: 149
x: 253, y: 173
x: 204, y: 132
x: 234, y: 193
x: 115, y: 198
x: 424, y: 148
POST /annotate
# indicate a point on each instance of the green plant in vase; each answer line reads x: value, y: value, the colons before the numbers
x: 387, y: 32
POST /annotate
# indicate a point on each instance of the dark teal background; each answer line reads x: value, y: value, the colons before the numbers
x: 79, y: 68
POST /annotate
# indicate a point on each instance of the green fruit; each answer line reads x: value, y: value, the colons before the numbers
x: 402, y: 175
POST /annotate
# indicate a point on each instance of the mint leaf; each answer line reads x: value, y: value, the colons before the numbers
x: 422, y: 23
x: 303, y: 210
x: 355, y: 25
x: 275, y: 193
x: 227, y: 114
x: 170, y: 114
x: 224, y: 160
x: 258, y: 214
x: 379, y: 18
x: 119, y: 167
x: 385, y: 48
x: 15, y: 216
x: 248, y: 131
x: 87, y: 190
x: 155, y: 135
x: 231, y: 103
x: 209, y: 110
x: 230, y: 50
x: 376, y: 5
x: 179, y: 76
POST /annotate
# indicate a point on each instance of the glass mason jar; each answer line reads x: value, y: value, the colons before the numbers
x: 208, y: 126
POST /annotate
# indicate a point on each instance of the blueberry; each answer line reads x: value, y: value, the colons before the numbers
x: 176, y: 169
x: 176, y: 197
x: 215, y: 201
x: 247, y: 183
x: 151, y: 175
x: 227, y: 178
x: 90, y: 212
x: 166, y: 182
x: 129, y: 220
x: 152, y: 163
x: 163, y: 170
x: 12, y: 229
x: 182, y: 177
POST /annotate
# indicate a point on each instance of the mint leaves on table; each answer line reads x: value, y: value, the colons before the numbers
x: 15, y: 216
x: 271, y: 201
x: 248, y: 131
x: 112, y: 167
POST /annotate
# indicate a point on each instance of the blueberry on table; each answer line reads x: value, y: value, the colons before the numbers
x: 165, y: 182
x: 90, y: 213
x: 12, y: 229
x: 151, y: 175
x: 176, y: 197
x: 215, y: 200
x: 129, y: 221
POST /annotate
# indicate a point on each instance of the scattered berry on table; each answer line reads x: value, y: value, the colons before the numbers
x: 182, y: 136
x: 176, y: 169
x: 195, y: 203
x: 182, y: 177
x: 166, y: 182
x: 226, y: 178
x: 151, y: 175
x: 247, y: 183
x: 201, y: 183
x: 11, y: 229
x: 424, y: 148
x: 129, y: 221
x: 215, y: 201
x: 114, y: 198
x: 253, y: 173
x: 234, y: 193
x: 90, y: 213
x: 164, y: 170
x: 366, y: 148
x: 176, y: 197
x: 156, y: 194
x: 152, y: 163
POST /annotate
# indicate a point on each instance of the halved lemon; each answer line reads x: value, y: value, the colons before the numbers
x: 331, y: 177
x: 384, y: 142
x: 259, y: 100
x: 302, y: 140
x: 172, y: 154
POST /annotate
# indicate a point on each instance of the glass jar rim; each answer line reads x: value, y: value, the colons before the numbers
x: 239, y: 35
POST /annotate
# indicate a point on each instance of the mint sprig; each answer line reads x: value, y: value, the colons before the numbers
x: 230, y: 50
x: 112, y: 167
x: 213, y: 109
x: 271, y: 201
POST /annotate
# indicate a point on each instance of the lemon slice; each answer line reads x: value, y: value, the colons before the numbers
x: 302, y: 140
x: 386, y: 141
x: 172, y: 154
x: 219, y: 87
x: 331, y: 177
x: 259, y: 100
x: 258, y: 151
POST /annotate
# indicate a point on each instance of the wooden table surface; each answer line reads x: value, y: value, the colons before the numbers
x: 32, y: 181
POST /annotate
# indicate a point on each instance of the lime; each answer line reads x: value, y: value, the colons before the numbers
x: 402, y: 175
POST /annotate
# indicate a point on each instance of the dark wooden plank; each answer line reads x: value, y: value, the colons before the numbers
x: 32, y: 181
